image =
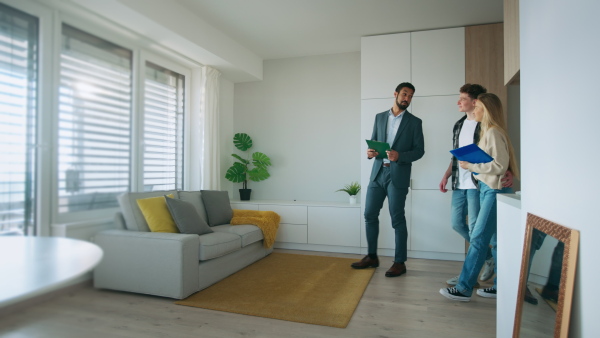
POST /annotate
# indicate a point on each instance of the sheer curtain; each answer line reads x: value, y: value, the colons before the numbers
x: 205, y: 169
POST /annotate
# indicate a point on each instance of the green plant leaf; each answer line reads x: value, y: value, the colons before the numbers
x: 258, y: 174
x: 241, y: 159
x: 246, y: 169
x: 236, y: 173
x: 261, y: 160
x: 242, y: 141
x: 352, y: 188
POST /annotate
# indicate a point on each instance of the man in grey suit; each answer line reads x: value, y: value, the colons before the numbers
x: 390, y: 177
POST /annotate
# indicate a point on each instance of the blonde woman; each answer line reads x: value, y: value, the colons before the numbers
x: 494, y: 140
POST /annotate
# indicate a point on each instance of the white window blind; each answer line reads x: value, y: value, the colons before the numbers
x: 163, y: 128
x: 18, y: 87
x: 94, y: 128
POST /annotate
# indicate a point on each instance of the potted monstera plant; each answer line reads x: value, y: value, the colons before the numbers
x: 252, y: 167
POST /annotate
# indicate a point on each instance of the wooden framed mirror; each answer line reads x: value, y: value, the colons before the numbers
x: 547, y: 278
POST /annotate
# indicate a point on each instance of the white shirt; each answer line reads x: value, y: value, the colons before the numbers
x: 465, y: 138
x: 392, y: 128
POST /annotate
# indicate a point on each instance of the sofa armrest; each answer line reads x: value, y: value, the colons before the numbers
x: 160, y: 264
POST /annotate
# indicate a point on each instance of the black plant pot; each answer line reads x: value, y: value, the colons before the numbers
x: 245, y: 194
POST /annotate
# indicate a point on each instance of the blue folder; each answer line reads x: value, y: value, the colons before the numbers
x: 471, y: 153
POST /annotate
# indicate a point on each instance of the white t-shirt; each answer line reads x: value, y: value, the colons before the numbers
x: 465, y: 138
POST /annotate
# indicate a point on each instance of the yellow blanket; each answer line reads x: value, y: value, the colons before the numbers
x: 267, y: 221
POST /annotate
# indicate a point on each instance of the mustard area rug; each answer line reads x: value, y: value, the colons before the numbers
x: 299, y: 288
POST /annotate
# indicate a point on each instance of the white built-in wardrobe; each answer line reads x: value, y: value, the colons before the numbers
x: 434, y: 62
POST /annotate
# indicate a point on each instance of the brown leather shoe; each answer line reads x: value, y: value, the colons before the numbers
x: 396, y: 270
x: 366, y: 262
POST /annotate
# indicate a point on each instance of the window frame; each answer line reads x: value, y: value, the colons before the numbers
x: 45, y: 99
x: 51, y: 18
x: 106, y: 30
x: 138, y: 183
x: 101, y: 32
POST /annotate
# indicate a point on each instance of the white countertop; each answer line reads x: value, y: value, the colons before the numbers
x: 511, y: 199
x: 30, y: 266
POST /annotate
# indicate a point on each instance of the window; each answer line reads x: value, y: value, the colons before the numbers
x: 163, y: 128
x: 94, y: 122
x: 18, y: 109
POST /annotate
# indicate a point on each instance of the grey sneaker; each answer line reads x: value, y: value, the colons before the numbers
x: 487, y: 292
x: 454, y: 294
x: 488, y: 270
x: 454, y: 280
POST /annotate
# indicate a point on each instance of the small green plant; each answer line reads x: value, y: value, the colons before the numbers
x: 241, y: 170
x: 352, y: 189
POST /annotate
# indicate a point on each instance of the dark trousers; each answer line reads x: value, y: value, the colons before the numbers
x: 377, y: 192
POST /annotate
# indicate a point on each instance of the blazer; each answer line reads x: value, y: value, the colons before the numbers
x: 409, y: 143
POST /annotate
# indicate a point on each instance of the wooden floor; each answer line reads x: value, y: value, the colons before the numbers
x: 406, y: 306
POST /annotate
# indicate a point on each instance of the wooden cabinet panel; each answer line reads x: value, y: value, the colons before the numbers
x: 484, y: 58
x: 512, y: 50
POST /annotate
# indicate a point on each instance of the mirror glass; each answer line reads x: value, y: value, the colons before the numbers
x: 547, y: 278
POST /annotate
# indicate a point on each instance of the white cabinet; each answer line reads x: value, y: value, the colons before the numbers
x: 293, y: 224
x: 244, y: 206
x: 439, y: 114
x: 438, y: 61
x: 334, y: 226
x: 385, y: 63
x: 312, y: 225
x: 431, y: 230
x: 434, y: 62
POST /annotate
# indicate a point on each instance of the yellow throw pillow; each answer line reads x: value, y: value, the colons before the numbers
x: 157, y: 214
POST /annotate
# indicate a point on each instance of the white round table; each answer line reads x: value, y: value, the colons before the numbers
x: 30, y: 266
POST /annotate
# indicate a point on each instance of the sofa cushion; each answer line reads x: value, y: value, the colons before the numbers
x: 195, y: 198
x: 157, y: 214
x: 134, y: 219
x: 186, y: 217
x: 249, y: 233
x: 218, y: 244
x: 218, y: 208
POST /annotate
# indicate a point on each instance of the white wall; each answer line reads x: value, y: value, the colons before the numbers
x: 305, y: 115
x: 560, y: 133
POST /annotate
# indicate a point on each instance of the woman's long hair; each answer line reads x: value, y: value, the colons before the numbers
x: 493, y: 117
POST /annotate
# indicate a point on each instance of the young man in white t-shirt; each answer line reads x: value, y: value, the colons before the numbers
x: 465, y: 196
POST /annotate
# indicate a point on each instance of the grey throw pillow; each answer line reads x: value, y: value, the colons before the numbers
x: 186, y: 217
x: 218, y: 208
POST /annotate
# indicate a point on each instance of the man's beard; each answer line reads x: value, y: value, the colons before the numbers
x: 402, y: 105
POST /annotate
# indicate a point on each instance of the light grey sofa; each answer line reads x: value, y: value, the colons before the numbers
x: 173, y: 265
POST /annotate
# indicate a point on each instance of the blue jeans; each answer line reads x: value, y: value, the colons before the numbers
x: 465, y: 202
x: 377, y: 191
x: 483, y: 233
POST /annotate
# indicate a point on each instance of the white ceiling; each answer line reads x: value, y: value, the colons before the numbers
x: 276, y: 29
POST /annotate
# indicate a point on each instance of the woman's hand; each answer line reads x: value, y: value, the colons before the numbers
x: 464, y: 164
